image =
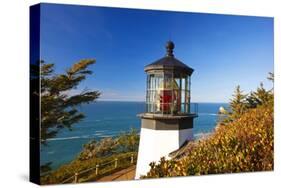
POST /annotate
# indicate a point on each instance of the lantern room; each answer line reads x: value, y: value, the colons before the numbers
x: 168, y: 85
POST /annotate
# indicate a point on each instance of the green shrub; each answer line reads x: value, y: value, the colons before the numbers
x: 94, y: 149
x: 128, y: 141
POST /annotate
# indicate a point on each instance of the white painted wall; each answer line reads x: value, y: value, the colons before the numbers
x: 155, y: 144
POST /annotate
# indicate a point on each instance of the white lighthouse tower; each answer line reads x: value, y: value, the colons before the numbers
x: 168, y: 122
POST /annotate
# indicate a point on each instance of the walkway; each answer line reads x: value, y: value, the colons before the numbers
x: 125, y: 174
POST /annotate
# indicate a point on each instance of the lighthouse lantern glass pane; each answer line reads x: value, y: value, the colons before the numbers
x: 152, y: 92
x: 187, y: 102
x: 177, y: 97
x: 183, y: 83
x: 187, y: 94
x: 167, y: 94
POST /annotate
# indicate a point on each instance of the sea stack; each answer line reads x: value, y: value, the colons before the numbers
x: 168, y: 121
x: 222, y: 110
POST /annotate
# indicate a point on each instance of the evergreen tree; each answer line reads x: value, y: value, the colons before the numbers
x: 262, y: 96
x: 270, y: 76
x: 237, y: 103
x: 252, y: 101
x: 58, y: 108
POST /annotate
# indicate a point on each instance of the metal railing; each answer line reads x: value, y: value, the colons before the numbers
x: 194, y: 108
x: 98, y: 167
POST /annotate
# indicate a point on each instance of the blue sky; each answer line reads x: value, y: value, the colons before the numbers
x: 224, y: 50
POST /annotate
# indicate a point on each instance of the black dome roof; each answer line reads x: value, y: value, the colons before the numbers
x: 169, y: 62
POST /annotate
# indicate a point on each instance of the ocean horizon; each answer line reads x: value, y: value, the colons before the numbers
x: 108, y: 119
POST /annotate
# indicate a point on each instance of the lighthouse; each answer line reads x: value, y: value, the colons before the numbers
x: 167, y: 122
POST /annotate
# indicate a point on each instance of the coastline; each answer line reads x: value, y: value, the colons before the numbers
x: 103, y: 121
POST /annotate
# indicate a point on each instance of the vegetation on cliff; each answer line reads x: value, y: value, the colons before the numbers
x: 97, y: 152
x: 243, y: 142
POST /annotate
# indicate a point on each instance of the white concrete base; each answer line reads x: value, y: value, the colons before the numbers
x: 155, y: 144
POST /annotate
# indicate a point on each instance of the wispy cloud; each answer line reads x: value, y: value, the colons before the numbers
x: 114, y: 95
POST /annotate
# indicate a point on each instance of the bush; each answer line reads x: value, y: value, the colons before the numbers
x: 125, y: 142
x: 105, y: 147
x: 129, y: 141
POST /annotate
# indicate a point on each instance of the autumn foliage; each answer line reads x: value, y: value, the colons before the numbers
x: 244, y: 144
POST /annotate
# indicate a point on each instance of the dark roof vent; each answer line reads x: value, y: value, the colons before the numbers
x: 170, y: 48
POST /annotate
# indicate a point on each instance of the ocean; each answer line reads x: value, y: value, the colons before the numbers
x: 106, y: 119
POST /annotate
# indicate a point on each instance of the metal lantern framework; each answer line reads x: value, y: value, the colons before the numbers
x: 168, y: 85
